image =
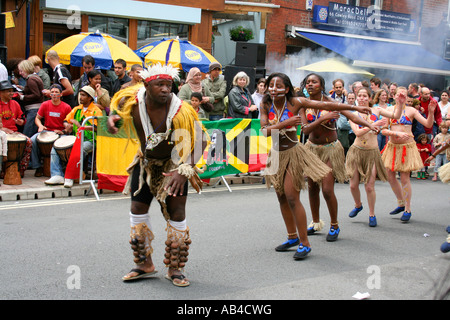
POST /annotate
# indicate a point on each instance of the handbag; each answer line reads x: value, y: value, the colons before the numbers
x: 207, y: 106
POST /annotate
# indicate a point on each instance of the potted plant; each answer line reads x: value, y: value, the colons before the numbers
x: 240, y: 33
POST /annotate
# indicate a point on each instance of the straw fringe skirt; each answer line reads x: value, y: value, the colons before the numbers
x: 444, y: 173
x: 402, y: 157
x: 299, y: 162
x: 334, y: 153
x: 363, y: 160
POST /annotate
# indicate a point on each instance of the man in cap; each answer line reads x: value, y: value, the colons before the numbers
x: 10, y: 111
x: 72, y: 123
x: 217, y: 84
x: 12, y: 116
x: 168, y: 134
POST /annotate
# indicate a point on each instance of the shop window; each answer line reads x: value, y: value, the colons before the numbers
x: 354, y: 3
x: 377, y: 3
x: 116, y: 27
x: 149, y: 31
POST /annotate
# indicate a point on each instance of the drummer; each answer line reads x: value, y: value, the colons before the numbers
x: 3, y: 146
x: 52, y: 112
x: 12, y: 116
x: 73, y: 121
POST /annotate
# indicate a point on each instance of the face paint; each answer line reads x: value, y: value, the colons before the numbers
x: 277, y: 92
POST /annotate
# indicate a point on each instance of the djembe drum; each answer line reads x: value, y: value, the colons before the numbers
x: 16, y: 147
x: 63, y: 147
x: 45, y: 142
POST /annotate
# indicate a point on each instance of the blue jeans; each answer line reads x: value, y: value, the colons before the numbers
x: 441, y: 159
x: 216, y: 117
x: 35, y: 161
x: 56, y: 165
x: 30, y: 127
x: 381, y: 141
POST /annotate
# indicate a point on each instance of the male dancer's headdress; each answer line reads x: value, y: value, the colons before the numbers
x: 159, y: 71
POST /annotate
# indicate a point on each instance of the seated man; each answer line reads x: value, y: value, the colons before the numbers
x: 12, y: 116
x: 73, y: 121
x: 53, y: 112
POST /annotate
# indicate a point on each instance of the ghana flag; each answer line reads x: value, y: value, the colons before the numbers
x: 115, y: 152
x: 237, y: 146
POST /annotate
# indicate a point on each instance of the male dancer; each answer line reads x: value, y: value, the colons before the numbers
x: 166, y: 127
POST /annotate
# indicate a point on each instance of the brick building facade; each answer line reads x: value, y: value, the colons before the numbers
x: 429, y: 29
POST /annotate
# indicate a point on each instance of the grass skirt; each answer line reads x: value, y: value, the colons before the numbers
x: 402, y: 157
x: 444, y: 173
x: 299, y: 162
x: 334, y: 153
x: 363, y: 160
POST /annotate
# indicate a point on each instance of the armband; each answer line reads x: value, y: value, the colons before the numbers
x: 186, y: 170
x: 191, y: 173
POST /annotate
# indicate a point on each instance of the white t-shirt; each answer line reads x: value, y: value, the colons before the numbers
x: 444, y: 109
x: 3, y: 72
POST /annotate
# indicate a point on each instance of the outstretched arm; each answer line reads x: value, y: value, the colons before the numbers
x: 330, y: 105
x: 445, y: 145
x: 426, y: 122
x: 358, y: 120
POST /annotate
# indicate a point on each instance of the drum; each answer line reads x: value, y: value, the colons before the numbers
x: 16, y: 147
x: 63, y: 147
x: 45, y: 142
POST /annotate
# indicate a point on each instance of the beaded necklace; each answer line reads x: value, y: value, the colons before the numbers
x: 279, y: 114
x: 151, y: 138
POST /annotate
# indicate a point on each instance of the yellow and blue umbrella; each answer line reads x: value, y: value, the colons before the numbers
x: 181, y: 54
x: 104, y: 48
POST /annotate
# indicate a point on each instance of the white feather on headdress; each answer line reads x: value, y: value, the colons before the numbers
x: 158, y: 69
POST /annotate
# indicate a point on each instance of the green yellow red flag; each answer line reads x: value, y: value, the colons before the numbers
x: 115, y: 152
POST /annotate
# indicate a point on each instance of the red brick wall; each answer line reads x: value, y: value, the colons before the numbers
x: 293, y: 12
x: 432, y: 12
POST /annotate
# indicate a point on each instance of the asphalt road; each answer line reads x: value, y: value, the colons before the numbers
x: 77, y: 249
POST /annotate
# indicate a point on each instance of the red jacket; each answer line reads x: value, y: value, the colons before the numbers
x: 437, y: 114
x: 424, y: 154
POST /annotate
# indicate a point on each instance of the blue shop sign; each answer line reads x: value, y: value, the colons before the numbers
x: 354, y: 18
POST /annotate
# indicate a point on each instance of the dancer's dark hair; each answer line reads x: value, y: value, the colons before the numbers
x: 287, y: 83
x: 303, y: 83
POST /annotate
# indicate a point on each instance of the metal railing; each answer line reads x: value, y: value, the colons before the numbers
x: 91, y: 181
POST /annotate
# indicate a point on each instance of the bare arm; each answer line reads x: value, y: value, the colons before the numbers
x: 38, y: 122
x: 445, y: 146
x: 427, y: 122
x: 68, y: 90
x: 330, y: 105
x: 358, y: 120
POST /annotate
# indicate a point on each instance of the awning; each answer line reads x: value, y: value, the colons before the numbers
x: 379, y: 53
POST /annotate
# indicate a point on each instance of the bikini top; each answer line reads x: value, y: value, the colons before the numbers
x: 404, y: 120
x: 371, y: 119
x: 273, y: 115
x: 312, y: 115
